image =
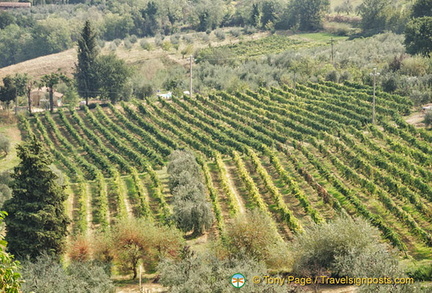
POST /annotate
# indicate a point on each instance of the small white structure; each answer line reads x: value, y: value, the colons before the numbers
x: 168, y: 95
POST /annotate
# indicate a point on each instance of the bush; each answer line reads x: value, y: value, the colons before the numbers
x: 117, y: 42
x: 207, y: 272
x: 46, y: 274
x: 188, y: 39
x: 133, y: 39
x: 345, y: 247
x: 236, y: 32
x: 141, y: 240
x: 128, y: 45
x: 220, y: 34
x: 4, y: 144
x: 191, y: 209
x: 428, y: 118
x: 254, y: 236
x: 166, y: 45
x: 113, y: 47
x: 145, y: 45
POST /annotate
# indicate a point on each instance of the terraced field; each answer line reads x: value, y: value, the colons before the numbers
x: 301, y: 155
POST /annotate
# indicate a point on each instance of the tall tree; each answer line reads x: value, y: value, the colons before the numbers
x: 113, y: 74
x: 422, y: 8
x: 8, y: 92
x: 85, y: 70
x: 418, y: 32
x: 308, y: 15
x: 192, y: 211
x: 37, y: 221
x: 374, y: 14
x: 50, y: 81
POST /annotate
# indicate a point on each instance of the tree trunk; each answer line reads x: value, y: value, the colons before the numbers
x: 29, y: 100
x: 51, y: 99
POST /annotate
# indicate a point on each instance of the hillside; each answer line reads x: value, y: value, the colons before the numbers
x: 301, y: 155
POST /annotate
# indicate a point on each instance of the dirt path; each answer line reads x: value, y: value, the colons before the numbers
x: 233, y: 189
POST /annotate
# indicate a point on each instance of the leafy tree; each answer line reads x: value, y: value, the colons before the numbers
x: 256, y: 15
x: 8, y: 92
x: 374, y: 14
x: 428, y: 118
x: 85, y: 70
x: 37, y: 221
x: 50, y: 81
x: 422, y: 8
x: 418, y: 36
x: 210, y: 272
x: 113, y: 74
x: 9, y: 275
x: 47, y: 274
x: 4, y: 144
x: 253, y: 235
x: 308, y: 14
x: 191, y: 209
x: 344, y: 247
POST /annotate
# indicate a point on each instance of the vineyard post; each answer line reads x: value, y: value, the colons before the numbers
x: 190, y: 70
x: 374, y: 74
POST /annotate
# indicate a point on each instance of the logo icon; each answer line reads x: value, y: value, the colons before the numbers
x: 238, y: 280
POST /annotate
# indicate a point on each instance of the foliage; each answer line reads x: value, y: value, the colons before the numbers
x: 428, y: 118
x: 46, y: 274
x: 253, y: 236
x: 418, y: 36
x: 50, y: 81
x: 307, y: 15
x: 208, y: 272
x: 5, y: 191
x: 4, y: 144
x: 9, y: 276
x: 85, y: 74
x: 146, y: 241
x: 374, y: 14
x: 421, y: 8
x: 343, y: 247
x: 112, y: 74
x: 192, y: 211
x: 37, y: 220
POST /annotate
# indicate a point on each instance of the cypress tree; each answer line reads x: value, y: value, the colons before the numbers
x: 37, y: 221
x: 86, y: 75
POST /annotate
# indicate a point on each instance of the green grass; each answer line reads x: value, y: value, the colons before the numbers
x: 322, y: 37
x: 12, y: 132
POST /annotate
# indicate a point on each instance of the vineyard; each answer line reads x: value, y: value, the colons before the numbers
x: 300, y: 155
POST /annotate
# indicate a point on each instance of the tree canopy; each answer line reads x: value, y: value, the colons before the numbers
x: 112, y: 74
x: 85, y: 74
x: 37, y: 221
x: 192, y: 211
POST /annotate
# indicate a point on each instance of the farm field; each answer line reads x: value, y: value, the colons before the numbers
x: 301, y: 155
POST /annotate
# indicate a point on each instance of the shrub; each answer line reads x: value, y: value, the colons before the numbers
x: 128, y: 45
x: 133, y: 39
x: 428, y: 118
x: 145, y: 45
x: 117, y: 42
x: 220, y: 34
x: 166, y: 45
x: 188, y: 39
x: 46, y: 274
x: 345, y: 247
x: 4, y: 144
x: 207, y: 272
x: 236, y: 32
x: 113, y: 47
x: 191, y: 209
x: 141, y: 240
x: 254, y: 236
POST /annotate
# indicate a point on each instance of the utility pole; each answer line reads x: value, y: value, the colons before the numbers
x: 374, y: 74
x: 332, y: 49
x: 190, y: 71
